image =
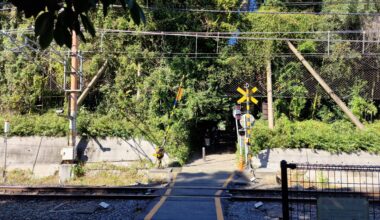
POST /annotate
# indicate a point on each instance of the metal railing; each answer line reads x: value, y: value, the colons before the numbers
x: 307, y: 189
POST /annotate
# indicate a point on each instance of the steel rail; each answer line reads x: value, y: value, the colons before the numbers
x: 151, y: 192
x: 77, y: 191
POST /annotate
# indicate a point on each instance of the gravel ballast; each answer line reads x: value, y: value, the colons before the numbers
x: 42, y: 208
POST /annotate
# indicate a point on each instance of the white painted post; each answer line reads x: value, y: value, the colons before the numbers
x: 363, y: 43
x: 328, y: 43
x: 217, y: 44
x: 101, y: 41
x: 7, y: 129
x: 204, y: 153
x: 269, y: 96
x: 238, y: 136
x: 196, y: 45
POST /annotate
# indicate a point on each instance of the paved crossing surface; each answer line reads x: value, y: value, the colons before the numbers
x: 179, y: 203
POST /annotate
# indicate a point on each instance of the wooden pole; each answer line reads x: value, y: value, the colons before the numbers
x: 92, y: 83
x: 270, y: 96
x: 73, y: 92
x: 326, y: 87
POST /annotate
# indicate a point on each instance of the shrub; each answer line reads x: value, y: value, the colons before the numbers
x: 78, y: 170
x: 340, y: 136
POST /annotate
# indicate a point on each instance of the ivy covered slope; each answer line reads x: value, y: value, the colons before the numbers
x: 135, y: 95
x: 339, y: 136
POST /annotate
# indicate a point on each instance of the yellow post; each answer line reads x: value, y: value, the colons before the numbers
x: 247, y: 133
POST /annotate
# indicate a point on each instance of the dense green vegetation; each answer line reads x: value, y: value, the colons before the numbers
x: 135, y: 95
x: 340, y: 136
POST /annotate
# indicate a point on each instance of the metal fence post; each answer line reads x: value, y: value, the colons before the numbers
x: 284, y: 190
x: 328, y: 43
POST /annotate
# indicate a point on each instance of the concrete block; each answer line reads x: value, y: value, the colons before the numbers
x: 160, y: 175
x: 266, y: 176
x: 65, y: 172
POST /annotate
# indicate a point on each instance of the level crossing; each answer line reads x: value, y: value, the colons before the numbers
x: 195, y: 186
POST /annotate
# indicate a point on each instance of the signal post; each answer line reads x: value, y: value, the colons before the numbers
x: 246, y: 121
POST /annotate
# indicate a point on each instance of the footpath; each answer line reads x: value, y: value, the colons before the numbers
x: 192, y: 193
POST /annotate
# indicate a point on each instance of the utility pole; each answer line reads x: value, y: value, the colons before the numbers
x: 69, y: 153
x: 269, y: 96
x: 73, y: 106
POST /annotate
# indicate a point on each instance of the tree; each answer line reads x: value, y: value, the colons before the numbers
x: 59, y: 18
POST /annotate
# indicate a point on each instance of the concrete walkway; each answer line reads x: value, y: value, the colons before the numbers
x: 191, y: 204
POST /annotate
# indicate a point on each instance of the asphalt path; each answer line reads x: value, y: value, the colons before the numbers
x: 179, y: 203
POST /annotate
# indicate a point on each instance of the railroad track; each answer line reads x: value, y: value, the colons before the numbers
x: 78, y: 191
x: 133, y: 192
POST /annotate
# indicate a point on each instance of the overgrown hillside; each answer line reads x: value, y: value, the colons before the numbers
x: 135, y: 95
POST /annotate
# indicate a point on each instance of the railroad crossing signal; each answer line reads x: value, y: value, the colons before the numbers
x: 246, y: 96
x: 247, y: 121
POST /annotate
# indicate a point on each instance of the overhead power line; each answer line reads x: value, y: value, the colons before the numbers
x: 216, y: 11
x: 262, y: 12
x: 216, y: 35
x: 242, y: 35
x: 208, y: 33
x: 221, y: 11
x: 319, y: 3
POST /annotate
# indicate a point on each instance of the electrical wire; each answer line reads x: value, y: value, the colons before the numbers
x: 227, y: 35
x: 369, y: 14
x: 244, y: 32
x: 265, y: 12
x: 214, y: 35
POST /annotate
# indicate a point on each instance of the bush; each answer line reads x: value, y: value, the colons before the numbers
x: 78, y: 170
x: 48, y: 124
x: 340, y: 136
x: 51, y: 125
x: 97, y: 125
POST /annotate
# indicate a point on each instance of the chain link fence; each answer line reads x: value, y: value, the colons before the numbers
x: 345, y: 59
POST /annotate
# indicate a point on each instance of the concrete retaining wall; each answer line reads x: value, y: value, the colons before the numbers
x: 271, y: 159
x: 42, y: 154
x: 267, y: 162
